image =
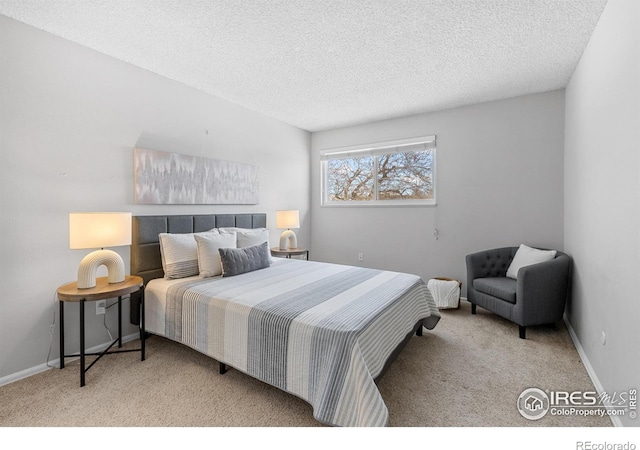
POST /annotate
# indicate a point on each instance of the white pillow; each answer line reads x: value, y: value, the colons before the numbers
x: 526, y: 256
x: 179, y: 253
x: 208, y: 255
x: 248, y: 237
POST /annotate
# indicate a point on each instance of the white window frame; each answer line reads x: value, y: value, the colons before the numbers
x: 379, y: 148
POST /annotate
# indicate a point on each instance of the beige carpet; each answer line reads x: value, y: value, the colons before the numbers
x: 467, y: 372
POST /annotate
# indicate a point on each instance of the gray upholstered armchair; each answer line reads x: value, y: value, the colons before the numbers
x: 537, y: 297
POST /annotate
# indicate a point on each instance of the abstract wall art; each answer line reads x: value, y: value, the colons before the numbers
x: 174, y: 179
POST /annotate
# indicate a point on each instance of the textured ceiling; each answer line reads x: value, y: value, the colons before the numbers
x: 320, y: 64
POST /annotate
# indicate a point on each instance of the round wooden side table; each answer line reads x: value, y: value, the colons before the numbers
x: 275, y: 251
x: 103, y: 290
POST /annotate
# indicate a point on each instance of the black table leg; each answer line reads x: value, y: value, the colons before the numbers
x: 82, y: 343
x: 120, y: 322
x: 142, y: 332
x: 61, y: 325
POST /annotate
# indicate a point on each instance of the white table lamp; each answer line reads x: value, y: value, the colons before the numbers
x: 99, y: 230
x: 287, y: 219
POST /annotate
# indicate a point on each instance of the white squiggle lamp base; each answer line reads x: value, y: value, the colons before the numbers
x: 89, y: 267
x: 288, y: 240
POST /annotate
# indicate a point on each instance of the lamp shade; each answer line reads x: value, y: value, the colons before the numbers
x: 286, y: 219
x: 99, y: 229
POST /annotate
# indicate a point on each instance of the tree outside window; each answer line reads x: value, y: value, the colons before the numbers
x: 403, y: 174
x: 351, y: 179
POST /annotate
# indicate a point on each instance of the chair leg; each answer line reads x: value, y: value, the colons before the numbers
x: 523, y: 332
x: 473, y: 308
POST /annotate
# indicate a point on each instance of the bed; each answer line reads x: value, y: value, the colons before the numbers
x: 323, y: 332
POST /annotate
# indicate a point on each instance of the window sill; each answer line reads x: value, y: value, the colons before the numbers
x: 383, y: 204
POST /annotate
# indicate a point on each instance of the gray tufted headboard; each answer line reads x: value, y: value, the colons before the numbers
x: 146, y: 261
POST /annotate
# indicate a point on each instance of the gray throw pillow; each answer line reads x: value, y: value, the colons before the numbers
x: 241, y: 260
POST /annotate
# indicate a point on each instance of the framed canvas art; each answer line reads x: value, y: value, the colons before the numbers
x: 174, y: 179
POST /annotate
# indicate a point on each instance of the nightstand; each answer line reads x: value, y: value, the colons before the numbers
x: 275, y: 251
x: 102, y: 291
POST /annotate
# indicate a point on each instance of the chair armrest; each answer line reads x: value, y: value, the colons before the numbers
x: 542, y: 289
x: 473, y: 261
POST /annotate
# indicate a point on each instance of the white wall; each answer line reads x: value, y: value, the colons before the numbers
x: 499, y: 183
x: 602, y: 197
x: 70, y: 118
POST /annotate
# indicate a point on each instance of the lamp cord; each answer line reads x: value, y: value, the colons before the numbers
x: 52, y: 328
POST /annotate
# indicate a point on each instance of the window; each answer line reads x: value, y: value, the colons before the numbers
x: 389, y: 173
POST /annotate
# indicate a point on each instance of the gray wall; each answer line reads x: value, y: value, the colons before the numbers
x: 602, y: 197
x: 70, y: 118
x: 499, y: 183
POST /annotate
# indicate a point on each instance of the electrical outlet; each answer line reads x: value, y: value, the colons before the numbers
x: 360, y: 256
x: 101, y: 307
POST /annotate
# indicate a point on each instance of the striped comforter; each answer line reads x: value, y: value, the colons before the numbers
x: 319, y: 331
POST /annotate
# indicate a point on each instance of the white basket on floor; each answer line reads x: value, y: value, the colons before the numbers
x: 445, y: 292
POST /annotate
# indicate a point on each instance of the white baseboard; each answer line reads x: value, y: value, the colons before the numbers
x: 55, y: 363
x: 592, y: 373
